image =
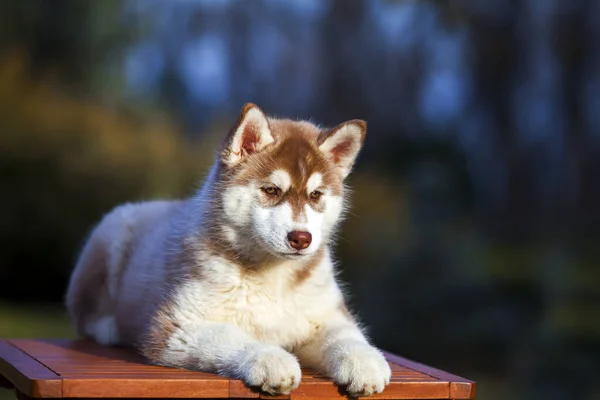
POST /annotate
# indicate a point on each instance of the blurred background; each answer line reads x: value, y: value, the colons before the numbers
x: 473, y: 242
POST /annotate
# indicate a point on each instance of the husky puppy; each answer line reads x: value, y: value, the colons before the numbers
x: 238, y: 279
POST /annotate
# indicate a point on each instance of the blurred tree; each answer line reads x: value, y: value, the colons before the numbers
x: 65, y: 162
x: 66, y: 40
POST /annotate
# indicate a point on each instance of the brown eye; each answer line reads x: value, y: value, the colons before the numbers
x: 315, y: 195
x: 272, y: 190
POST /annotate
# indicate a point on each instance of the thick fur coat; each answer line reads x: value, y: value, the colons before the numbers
x: 238, y: 279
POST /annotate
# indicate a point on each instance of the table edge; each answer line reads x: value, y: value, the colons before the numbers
x: 35, y: 379
x: 27, y: 374
x: 460, y: 388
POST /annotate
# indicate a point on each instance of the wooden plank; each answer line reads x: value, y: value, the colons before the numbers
x: 155, y: 374
x: 145, y: 388
x: 459, y: 388
x: 237, y: 389
x: 395, y: 390
x: 26, y: 374
x: 145, y: 377
x: 82, y: 350
x: 279, y: 397
x: 319, y: 389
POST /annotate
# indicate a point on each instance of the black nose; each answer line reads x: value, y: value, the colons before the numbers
x: 299, y: 240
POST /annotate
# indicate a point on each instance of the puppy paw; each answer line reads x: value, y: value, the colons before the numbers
x: 273, y: 370
x: 361, y: 370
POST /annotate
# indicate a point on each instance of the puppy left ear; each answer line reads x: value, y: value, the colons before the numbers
x: 342, y: 143
x: 250, y: 134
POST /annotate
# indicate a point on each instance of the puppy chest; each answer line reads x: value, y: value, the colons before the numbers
x: 284, y: 320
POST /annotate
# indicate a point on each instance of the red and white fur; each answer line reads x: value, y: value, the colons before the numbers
x: 238, y: 279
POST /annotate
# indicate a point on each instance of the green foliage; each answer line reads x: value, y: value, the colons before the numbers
x: 64, y: 161
x: 34, y: 321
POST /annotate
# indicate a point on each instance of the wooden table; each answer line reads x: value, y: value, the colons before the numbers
x: 82, y: 369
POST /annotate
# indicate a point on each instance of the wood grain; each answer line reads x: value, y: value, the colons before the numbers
x: 82, y: 369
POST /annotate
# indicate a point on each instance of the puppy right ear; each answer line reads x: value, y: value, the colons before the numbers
x: 250, y: 134
x: 342, y: 144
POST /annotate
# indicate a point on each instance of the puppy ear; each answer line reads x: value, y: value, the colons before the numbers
x: 342, y: 143
x: 249, y: 135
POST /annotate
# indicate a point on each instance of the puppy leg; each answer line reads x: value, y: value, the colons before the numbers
x: 342, y: 352
x: 224, y: 349
x: 88, y: 299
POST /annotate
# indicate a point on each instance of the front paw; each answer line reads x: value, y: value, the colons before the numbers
x: 272, y: 370
x: 360, y: 369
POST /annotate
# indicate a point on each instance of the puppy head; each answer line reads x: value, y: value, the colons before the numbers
x: 281, y: 185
